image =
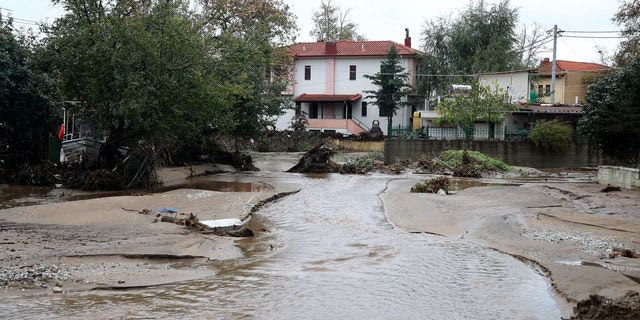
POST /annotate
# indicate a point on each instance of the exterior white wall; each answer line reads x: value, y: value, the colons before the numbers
x: 318, y: 81
x: 516, y: 84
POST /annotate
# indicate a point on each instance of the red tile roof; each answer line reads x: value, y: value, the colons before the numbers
x: 563, y: 65
x: 348, y: 48
x: 328, y: 97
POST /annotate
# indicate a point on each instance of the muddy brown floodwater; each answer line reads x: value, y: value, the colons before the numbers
x: 327, y: 252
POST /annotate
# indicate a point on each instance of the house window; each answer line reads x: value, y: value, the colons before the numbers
x: 547, y: 89
x: 364, y: 108
x: 307, y: 72
x: 352, y: 72
x: 540, y: 87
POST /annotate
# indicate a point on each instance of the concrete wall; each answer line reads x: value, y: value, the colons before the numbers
x: 516, y: 153
x: 360, y: 146
x: 623, y: 177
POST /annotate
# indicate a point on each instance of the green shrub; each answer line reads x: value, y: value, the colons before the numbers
x: 552, y: 135
x: 485, y: 162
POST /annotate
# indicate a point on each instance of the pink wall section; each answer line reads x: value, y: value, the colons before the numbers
x: 347, y: 124
x: 331, y: 77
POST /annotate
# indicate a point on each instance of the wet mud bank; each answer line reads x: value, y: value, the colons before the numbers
x: 122, y: 241
x: 571, y: 232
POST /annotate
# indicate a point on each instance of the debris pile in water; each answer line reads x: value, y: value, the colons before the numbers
x: 317, y: 160
x: 626, y: 307
x: 432, y: 186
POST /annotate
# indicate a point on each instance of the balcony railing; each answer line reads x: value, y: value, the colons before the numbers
x: 329, y: 116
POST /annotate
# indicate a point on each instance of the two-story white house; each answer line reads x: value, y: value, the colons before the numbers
x: 329, y: 84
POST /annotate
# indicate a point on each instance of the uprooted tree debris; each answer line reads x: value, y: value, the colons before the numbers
x: 192, y: 222
x: 461, y: 163
x: 626, y: 307
x: 432, y: 186
x: 319, y: 160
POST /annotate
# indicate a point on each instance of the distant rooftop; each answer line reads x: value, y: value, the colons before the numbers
x: 348, y: 48
x: 564, y: 65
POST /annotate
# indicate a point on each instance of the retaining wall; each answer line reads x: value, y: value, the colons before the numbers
x: 622, y: 177
x: 360, y: 146
x: 516, y: 153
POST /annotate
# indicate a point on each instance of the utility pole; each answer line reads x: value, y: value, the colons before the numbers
x: 553, y: 65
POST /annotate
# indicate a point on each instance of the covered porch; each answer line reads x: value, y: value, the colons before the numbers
x: 329, y: 113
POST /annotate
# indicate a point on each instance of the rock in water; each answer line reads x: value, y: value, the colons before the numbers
x: 442, y: 192
x: 57, y: 290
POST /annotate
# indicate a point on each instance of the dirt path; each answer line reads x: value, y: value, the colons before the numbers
x: 568, y: 230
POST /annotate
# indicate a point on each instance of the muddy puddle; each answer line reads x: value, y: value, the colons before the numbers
x: 328, y: 252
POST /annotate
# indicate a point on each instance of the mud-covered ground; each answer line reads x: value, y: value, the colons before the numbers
x: 121, y: 241
x: 585, y: 240
x: 558, y: 223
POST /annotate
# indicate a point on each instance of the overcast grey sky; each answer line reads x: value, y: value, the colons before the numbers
x: 386, y: 19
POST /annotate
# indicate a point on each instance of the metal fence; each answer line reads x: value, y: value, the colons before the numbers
x: 439, y: 133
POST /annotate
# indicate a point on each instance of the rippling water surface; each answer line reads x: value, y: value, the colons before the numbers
x: 329, y: 253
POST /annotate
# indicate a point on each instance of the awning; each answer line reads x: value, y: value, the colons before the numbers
x: 564, y: 109
x: 328, y: 97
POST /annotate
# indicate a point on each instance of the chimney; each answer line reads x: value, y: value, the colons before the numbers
x: 407, y: 38
x: 544, y: 61
x: 330, y: 48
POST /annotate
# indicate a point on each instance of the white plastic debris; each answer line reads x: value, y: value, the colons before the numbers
x: 222, y: 223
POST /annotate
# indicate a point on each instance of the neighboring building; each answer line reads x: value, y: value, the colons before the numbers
x: 572, y: 80
x: 329, y: 84
x: 516, y: 83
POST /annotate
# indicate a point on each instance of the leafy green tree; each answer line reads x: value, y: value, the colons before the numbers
x: 128, y: 66
x: 480, y: 103
x: 629, y: 17
x: 28, y: 97
x: 332, y: 24
x: 392, y: 83
x: 253, y: 68
x: 612, y: 115
x: 481, y: 38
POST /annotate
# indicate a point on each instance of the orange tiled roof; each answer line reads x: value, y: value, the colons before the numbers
x: 564, y: 65
x: 348, y: 48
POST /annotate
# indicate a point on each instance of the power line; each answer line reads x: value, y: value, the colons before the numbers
x: 595, y: 37
x: 592, y: 31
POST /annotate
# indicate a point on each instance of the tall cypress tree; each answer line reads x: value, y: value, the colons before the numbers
x: 392, y: 83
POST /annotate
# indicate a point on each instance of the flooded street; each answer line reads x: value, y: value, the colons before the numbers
x: 328, y: 251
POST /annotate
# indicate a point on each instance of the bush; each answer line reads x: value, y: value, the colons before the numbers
x: 553, y: 135
x: 611, y: 117
x: 432, y: 186
x: 454, y: 158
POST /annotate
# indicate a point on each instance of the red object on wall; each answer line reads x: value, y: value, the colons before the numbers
x: 61, y: 132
